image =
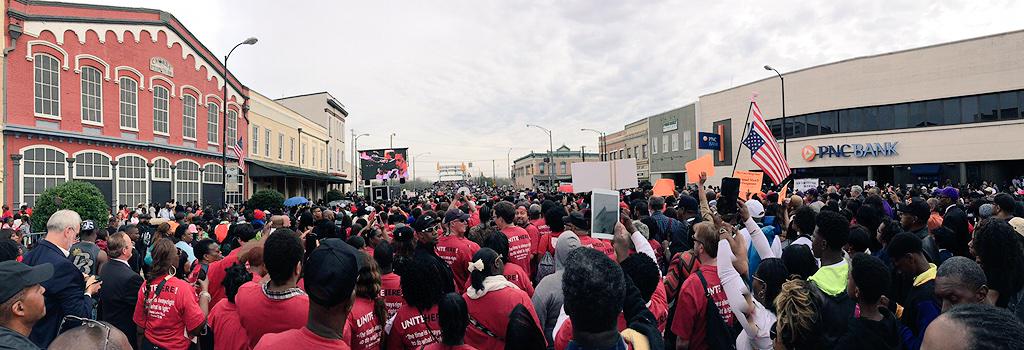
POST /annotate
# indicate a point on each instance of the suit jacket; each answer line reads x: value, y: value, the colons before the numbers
x: 65, y: 292
x: 956, y: 219
x: 118, y: 296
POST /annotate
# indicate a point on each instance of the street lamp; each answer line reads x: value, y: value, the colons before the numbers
x: 414, y: 163
x: 355, y: 150
x: 508, y: 159
x: 392, y: 140
x: 600, y: 141
x: 783, y: 81
x: 551, y: 148
x: 224, y: 126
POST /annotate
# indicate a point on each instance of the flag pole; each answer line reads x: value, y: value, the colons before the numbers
x: 736, y: 160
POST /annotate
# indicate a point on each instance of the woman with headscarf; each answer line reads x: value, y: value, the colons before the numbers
x: 490, y: 299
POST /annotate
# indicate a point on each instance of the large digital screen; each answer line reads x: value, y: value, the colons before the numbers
x: 384, y: 164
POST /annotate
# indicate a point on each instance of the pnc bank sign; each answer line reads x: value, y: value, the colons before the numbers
x: 856, y: 150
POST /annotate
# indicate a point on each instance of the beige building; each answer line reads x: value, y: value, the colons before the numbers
x: 531, y: 171
x: 287, y: 152
x: 326, y: 111
x: 947, y: 111
x: 635, y: 144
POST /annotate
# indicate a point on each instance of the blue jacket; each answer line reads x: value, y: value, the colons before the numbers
x: 677, y: 232
x: 65, y: 292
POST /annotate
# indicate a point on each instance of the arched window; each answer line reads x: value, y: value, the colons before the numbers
x: 186, y: 182
x: 162, y: 170
x: 92, y: 96
x: 160, y: 97
x: 47, y: 85
x: 188, y: 116
x: 129, y: 103
x: 212, y: 174
x: 232, y: 123
x: 131, y: 180
x: 212, y: 131
x: 42, y: 168
x: 92, y: 166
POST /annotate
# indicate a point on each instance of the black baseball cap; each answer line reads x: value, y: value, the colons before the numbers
x: 455, y: 214
x: 331, y: 272
x: 424, y: 222
x: 18, y: 276
x: 403, y: 233
x: 917, y: 207
x: 688, y: 203
x: 577, y: 219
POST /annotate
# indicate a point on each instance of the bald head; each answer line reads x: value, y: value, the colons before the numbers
x: 92, y: 336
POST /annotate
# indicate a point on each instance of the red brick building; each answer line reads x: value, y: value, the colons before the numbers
x: 125, y: 98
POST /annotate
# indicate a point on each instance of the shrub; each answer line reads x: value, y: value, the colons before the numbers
x: 334, y: 195
x: 80, y: 196
x: 265, y: 200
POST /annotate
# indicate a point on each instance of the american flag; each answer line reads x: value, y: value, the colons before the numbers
x: 238, y: 148
x: 764, y: 150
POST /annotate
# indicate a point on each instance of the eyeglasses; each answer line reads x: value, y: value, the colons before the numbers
x: 87, y: 323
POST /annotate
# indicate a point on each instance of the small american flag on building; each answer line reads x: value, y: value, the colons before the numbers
x: 764, y: 150
x: 238, y: 148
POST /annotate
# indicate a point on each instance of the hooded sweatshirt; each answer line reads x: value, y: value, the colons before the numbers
x: 862, y: 333
x: 547, y: 297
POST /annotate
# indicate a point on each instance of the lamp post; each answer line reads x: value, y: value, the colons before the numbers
x: 551, y: 147
x: 600, y: 141
x: 783, y: 82
x: 355, y: 150
x: 508, y: 160
x: 224, y: 125
x: 414, y: 163
x: 392, y: 140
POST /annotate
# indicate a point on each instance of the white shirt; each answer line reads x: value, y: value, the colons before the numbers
x: 62, y: 250
x: 125, y: 262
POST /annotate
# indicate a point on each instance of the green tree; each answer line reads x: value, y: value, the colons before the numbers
x: 334, y: 195
x: 80, y: 196
x: 265, y: 200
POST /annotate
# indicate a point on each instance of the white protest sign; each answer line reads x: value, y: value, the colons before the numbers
x: 604, y: 213
x: 803, y: 185
x: 616, y: 175
x: 870, y: 183
x: 464, y: 190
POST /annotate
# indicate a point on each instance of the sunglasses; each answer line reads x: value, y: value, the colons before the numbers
x: 87, y: 323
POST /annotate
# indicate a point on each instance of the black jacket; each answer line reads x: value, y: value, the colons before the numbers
x: 11, y: 340
x: 65, y: 292
x: 118, y: 296
x: 955, y: 219
x: 863, y: 333
x: 836, y: 312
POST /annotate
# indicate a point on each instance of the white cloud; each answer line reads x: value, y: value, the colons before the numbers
x: 460, y: 79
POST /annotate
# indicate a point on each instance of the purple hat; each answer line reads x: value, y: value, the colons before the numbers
x: 950, y: 192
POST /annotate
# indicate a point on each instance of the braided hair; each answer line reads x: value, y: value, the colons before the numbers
x: 798, y: 323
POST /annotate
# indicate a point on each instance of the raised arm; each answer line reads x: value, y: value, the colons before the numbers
x: 705, y: 208
x: 736, y: 292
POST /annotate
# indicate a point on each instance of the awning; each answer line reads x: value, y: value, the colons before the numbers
x: 267, y: 169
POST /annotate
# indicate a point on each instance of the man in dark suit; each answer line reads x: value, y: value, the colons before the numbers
x: 67, y: 292
x: 120, y: 286
x: 954, y: 218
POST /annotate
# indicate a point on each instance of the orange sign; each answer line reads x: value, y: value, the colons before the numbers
x: 750, y: 182
x: 696, y: 166
x: 665, y: 187
x: 782, y: 193
x: 808, y: 153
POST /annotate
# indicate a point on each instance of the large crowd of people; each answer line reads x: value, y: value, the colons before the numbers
x: 458, y: 266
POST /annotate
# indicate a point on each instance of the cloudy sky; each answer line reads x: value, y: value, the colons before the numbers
x: 461, y: 78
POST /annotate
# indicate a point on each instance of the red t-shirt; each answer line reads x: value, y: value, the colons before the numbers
x: 362, y: 329
x: 658, y: 306
x: 261, y: 315
x: 544, y: 233
x: 599, y: 244
x: 412, y: 329
x: 301, y: 338
x: 228, y: 328
x: 689, y: 322
x: 492, y: 311
x: 216, y: 274
x: 391, y: 290
x: 519, y: 247
x: 515, y: 274
x: 458, y: 253
x: 439, y: 346
x: 167, y: 316
x: 547, y: 244
x: 534, y: 233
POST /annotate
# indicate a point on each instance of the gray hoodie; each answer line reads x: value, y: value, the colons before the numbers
x: 547, y: 297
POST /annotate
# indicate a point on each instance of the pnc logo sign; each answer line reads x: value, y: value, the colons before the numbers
x: 857, y: 150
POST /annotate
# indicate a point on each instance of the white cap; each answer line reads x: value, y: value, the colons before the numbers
x: 755, y: 208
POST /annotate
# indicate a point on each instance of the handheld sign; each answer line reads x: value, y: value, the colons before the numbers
x: 750, y: 182
x: 695, y: 167
x: 665, y: 187
x: 707, y: 140
x: 604, y: 213
x: 617, y: 175
x: 802, y: 185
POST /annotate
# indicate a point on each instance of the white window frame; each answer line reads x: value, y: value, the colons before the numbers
x: 187, y: 179
x: 280, y: 146
x: 92, y: 95
x: 127, y: 164
x: 165, y: 101
x: 59, y: 175
x: 654, y: 146
x: 188, y: 120
x: 255, y: 139
x: 38, y: 69
x: 266, y: 142
x: 159, y: 165
x: 291, y: 150
x: 86, y: 159
x: 129, y: 109
x: 212, y: 173
x: 212, y: 123
x: 687, y: 140
x: 232, y: 123
x: 664, y: 143
x: 675, y: 141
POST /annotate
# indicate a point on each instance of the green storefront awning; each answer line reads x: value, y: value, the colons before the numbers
x: 267, y: 169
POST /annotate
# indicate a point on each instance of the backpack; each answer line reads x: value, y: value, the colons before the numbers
x: 718, y: 334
